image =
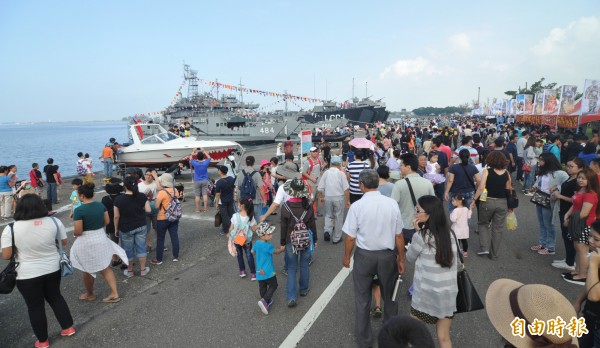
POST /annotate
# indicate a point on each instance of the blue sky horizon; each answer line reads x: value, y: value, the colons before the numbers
x: 86, y: 61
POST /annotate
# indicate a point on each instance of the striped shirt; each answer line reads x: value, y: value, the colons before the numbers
x: 435, y: 286
x: 354, y: 169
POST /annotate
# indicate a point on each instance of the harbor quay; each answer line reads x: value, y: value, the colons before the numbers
x: 201, y: 301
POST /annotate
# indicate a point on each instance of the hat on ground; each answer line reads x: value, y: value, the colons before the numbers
x: 265, y: 229
x: 296, y: 188
x: 313, y: 149
x: 289, y: 170
x: 506, y: 299
x: 264, y: 163
x: 336, y: 160
x: 166, y: 180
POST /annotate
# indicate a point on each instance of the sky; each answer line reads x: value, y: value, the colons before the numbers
x: 105, y: 60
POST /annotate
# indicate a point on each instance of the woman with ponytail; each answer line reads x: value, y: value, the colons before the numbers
x: 130, y: 224
x: 463, y: 178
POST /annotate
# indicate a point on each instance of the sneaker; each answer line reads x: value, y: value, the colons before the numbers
x: 252, y: 276
x: 39, y: 344
x: 68, y: 332
x: 483, y: 253
x: 536, y: 248
x: 264, y: 307
x: 575, y: 281
x: 242, y: 274
x: 128, y: 273
x: 377, y: 312
x: 145, y: 271
x: 465, y: 254
x: 528, y: 193
x: 292, y: 303
x: 545, y: 251
x: 304, y: 293
x: 563, y: 265
x: 326, y: 237
x: 175, y: 260
x: 284, y: 272
x: 156, y: 262
x: 270, y: 303
x: 566, y: 275
x: 560, y: 261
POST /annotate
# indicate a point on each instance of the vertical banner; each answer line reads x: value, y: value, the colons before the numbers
x: 550, y: 102
x: 567, y: 99
x: 528, y: 104
x: 305, y: 142
x: 591, y: 94
x: 520, y: 99
x: 538, y: 104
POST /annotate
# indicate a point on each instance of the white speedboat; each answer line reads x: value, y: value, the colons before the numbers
x: 153, y: 146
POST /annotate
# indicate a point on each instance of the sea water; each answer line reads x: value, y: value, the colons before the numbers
x: 24, y: 144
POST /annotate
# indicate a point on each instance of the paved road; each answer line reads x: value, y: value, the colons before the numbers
x: 200, y: 301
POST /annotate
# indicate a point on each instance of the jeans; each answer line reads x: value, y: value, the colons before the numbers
x: 569, y: 247
x: 247, y: 248
x: 439, y: 189
x: 108, y: 167
x: 134, y: 241
x: 258, y: 208
x: 226, y: 211
x: 267, y: 288
x: 35, y: 291
x: 468, y: 198
x: 530, y: 178
x: 295, y: 261
x: 51, y: 192
x: 162, y: 226
x: 547, y: 231
x: 519, y: 163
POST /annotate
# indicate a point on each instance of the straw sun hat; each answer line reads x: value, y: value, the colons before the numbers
x: 529, y: 302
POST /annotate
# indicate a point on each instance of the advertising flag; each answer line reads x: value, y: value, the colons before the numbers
x: 538, y: 103
x: 591, y: 94
x: 550, y: 102
x: 305, y: 141
x: 567, y: 99
x: 528, y: 104
x: 520, y: 99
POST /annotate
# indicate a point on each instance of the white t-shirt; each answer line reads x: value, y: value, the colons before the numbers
x: 148, y: 189
x: 281, y: 196
x: 38, y: 254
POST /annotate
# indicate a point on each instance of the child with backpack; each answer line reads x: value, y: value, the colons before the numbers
x: 240, y: 232
x: 263, y: 251
x: 299, y: 236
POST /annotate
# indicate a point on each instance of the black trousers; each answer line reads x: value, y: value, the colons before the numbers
x: 35, y: 291
x: 354, y: 197
x: 226, y: 214
x: 267, y: 288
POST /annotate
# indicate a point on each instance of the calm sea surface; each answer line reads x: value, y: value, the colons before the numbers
x: 23, y: 144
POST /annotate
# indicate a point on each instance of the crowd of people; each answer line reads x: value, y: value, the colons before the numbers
x: 384, y: 201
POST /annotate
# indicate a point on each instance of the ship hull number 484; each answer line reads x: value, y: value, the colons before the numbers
x: 267, y: 130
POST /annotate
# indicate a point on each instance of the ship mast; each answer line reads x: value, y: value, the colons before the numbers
x: 285, y: 99
x: 242, y: 97
x: 191, y: 76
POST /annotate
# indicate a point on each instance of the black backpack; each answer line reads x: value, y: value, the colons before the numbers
x: 248, y: 189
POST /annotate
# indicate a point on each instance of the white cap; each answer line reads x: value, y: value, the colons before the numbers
x: 313, y: 149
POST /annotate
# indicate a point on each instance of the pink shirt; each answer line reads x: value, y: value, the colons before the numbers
x: 460, y: 222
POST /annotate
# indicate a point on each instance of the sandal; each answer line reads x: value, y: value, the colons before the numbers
x: 111, y: 300
x: 85, y: 297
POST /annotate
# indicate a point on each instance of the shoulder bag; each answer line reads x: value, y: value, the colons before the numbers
x: 8, y: 277
x: 467, y: 299
x: 66, y: 268
x: 541, y: 198
x: 468, y: 177
x: 512, y: 200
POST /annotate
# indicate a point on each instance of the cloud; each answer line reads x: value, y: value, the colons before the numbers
x: 494, y: 66
x: 584, y: 30
x: 409, y: 67
x: 460, y: 42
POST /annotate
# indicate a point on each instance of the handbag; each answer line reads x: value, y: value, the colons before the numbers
x: 66, y: 268
x: 541, y: 198
x: 240, y: 238
x: 512, y: 200
x: 8, y: 276
x: 218, y: 219
x: 526, y: 167
x: 467, y: 299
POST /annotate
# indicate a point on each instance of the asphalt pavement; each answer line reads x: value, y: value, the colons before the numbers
x: 201, y: 301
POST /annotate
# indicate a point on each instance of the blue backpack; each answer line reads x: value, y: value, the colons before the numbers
x: 248, y: 189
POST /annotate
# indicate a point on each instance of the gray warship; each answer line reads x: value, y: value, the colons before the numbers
x: 224, y: 117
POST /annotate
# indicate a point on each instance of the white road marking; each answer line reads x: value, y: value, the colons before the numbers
x: 313, y: 313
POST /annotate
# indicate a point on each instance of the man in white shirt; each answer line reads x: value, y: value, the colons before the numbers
x: 402, y: 192
x: 520, y: 154
x: 333, y: 192
x: 374, y: 226
x: 311, y: 171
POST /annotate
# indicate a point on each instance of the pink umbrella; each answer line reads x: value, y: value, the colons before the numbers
x: 361, y: 143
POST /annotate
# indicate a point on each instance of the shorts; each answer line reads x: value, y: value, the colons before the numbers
x: 134, y: 241
x: 584, y: 237
x: 424, y: 317
x: 201, y: 188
